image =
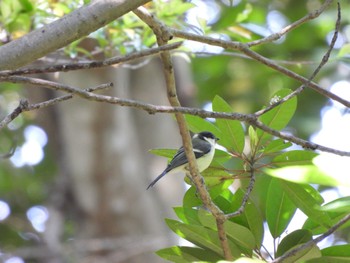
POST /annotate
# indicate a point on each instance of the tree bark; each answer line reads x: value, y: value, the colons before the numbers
x: 105, y: 167
x: 64, y: 31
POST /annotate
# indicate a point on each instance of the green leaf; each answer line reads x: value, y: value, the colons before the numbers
x: 197, y: 124
x: 251, y: 218
x: 188, y: 254
x: 187, y: 215
x: 279, y: 208
x: 306, y: 174
x: 278, y: 117
x: 339, y: 205
x: 307, y: 199
x: 293, y: 239
x: 232, y: 133
x: 168, y: 153
x: 241, y: 235
x: 344, y: 51
x: 245, y: 260
x: 201, y: 236
x: 327, y: 259
x: 317, y: 228
x: 297, y: 157
x: 216, y: 173
x: 337, y: 251
x: 253, y: 138
x: 276, y: 146
x: 191, y: 196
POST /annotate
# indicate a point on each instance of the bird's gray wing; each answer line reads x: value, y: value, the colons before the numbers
x: 180, y: 158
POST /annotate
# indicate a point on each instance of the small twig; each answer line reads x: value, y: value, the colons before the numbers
x: 316, y: 71
x: 92, y: 64
x: 25, y: 106
x: 245, y: 199
x: 310, y: 243
x: 244, y: 48
x: 292, y: 26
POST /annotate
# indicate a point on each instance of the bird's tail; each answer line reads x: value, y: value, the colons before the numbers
x: 157, y: 179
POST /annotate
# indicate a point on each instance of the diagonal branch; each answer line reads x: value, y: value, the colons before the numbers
x: 92, y: 64
x: 25, y: 106
x: 316, y: 71
x: 292, y: 26
x: 310, y: 243
x: 244, y: 48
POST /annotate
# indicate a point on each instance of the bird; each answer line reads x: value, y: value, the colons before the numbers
x: 203, y: 144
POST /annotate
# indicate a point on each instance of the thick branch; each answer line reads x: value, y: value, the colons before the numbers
x: 60, y: 33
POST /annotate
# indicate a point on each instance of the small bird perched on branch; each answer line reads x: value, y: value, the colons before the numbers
x: 203, y: 144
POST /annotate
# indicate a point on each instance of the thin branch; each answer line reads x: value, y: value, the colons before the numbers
x: 250, y: 119
x: 244, y: 48
x: 310, y: 243
x: 92, y: 64
x: 25, y: 106
x: 278, y: 35
x: 316, y: 71
x: 163, y: 36
x: 245, y: 199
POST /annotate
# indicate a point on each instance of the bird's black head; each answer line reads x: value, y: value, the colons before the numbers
x: 205, y: 134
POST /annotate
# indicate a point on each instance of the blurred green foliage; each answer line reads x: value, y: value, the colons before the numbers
x: 244, y: 84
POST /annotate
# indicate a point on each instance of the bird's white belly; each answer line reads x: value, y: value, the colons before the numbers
x: 204, y: 162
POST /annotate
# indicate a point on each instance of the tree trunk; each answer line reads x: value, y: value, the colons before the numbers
x: 105, y: 167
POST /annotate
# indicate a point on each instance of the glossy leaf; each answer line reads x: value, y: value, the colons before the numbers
x: 245, y: 260
x: 201, y: 236
x: 339, y: 205
x: 297, y: 157
x: 328, y: 259
x: 188, y: 254
x: 307, y: 199
x: 276, y: 146
x: 306, y: 174
x: 317, y: 228
x: 253, y: 138
x: 251, y: 217
x: 239, y: 234
x: 293, y: 239
x: 278, y: 117
x: 279, y: 208
x: 337, y: 251
x: 191, y: 197
x: 187, y: 215
x: 197, y: 124
x: 168, y: 153
x: 232, y: 133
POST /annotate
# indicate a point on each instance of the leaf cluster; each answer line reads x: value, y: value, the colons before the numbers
x: 288, y: 176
